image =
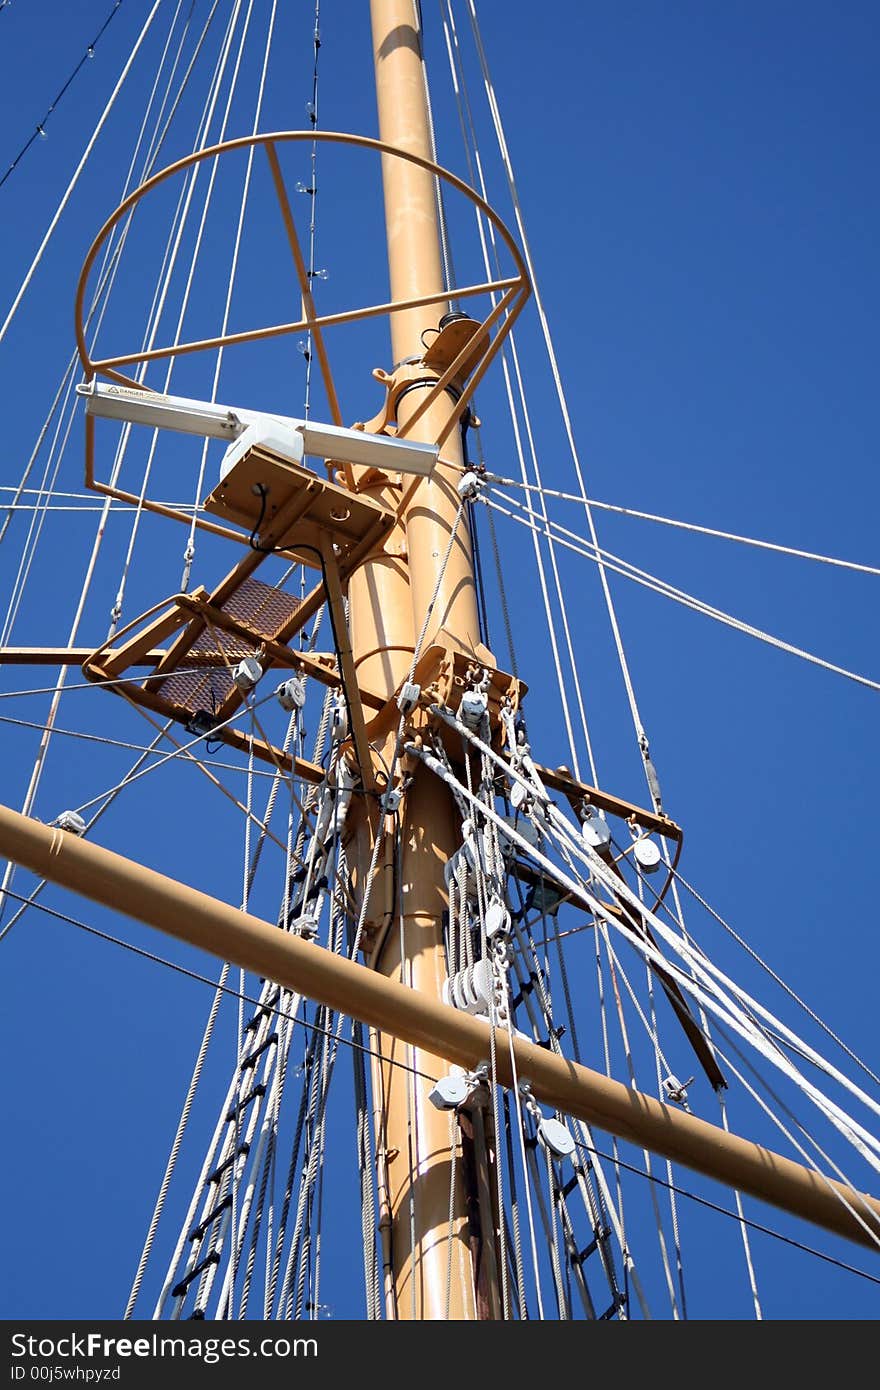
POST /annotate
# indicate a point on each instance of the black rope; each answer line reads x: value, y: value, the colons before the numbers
x: 482, y: 611
x: 40, y: 128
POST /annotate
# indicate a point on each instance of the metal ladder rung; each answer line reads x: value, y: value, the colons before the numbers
x: 579, y: 1256
x: 242, y: 1151
x: 252, y: 1057
x: 263, y: 1009
x: 619, y: 1302
x: 198, y: 1231
x: 180, y: 1288
x: 258, y: 1090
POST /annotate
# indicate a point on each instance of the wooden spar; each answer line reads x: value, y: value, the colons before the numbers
x: 389, y: 601
x: 431, y: 1027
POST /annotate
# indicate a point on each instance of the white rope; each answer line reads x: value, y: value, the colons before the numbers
x: 710, y: 989
x: 776, y: 978
x: 483, y: 227
x: 189, y: 553
x: 554, y: 366
x: 687, y: 525
x: 613, y: 968
x: 73, y: 182
x: 39, y: 762
x: 606, y: 559
x: 744, y: 1231
x: 171, y: 262
x: 708, y: 975
x: 720, y: 1003
x: 35, y: 892
x: 870, y: 1230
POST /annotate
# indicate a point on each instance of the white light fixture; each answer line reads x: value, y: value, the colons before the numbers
x: 290, y: 438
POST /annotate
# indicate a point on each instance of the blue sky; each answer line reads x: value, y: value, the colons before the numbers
x: 700, y: 195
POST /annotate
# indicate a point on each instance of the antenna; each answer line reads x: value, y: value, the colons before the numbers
x: 244, y: 428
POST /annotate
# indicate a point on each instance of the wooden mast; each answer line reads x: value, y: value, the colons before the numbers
x: 388, y: 604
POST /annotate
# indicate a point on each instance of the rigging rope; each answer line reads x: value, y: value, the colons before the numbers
x: 475, y: 169
x: 111, y: 267
x: 713, y: 983
x: 40, y: 128
x: 169, y: 267
x: 113, y: 250
x: 501, y: 140
x: 75, y: 179
x: 776, y: 978
x: 687, y: 525
x: 190, y: 549
x: 607, y: 560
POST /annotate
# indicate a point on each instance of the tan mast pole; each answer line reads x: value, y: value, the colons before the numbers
x: 226, y: 932
x: 388, y: 604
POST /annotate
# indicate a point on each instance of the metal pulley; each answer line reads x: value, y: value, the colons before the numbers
x: 247, y: 673
x: 291, y: 694
x: 473, y: 709
x: 556, y: 1138
x: 647, y: 854
x: 497, y: 919
x: 597, y: 834
x: 470, y: 989
x: 449, y: 1092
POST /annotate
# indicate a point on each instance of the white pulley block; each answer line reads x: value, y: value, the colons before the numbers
x: 555, y: 1137
x: 247, y: 673
x: 474, y: 705
x: 647, y: 855
x: 291, y: 694
x: 497, y: 919
x: 597, y: 834
x: 449, y: 1092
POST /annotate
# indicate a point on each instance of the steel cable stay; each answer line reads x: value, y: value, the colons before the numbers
x: 164, y: 281
x: 705, y: 972
x: 777, y: 979
x: 612, y: 562
x: 82, y: 163
x: 465, y: 120
x: 486, y: 883
x: 40, y: 128
x: 504, y: 154
x: 488, y: 241
x: 39, y: 763
x: 718, y: 1001
x: 115, y: 246
x: 495, y: 480
x: 536, y: 984
x: 651, y: 776
x: 253, y: 1000
x: 189, y: 551
x: 92, y: 821
x: 707, y: 977
x: 661, y: 1236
